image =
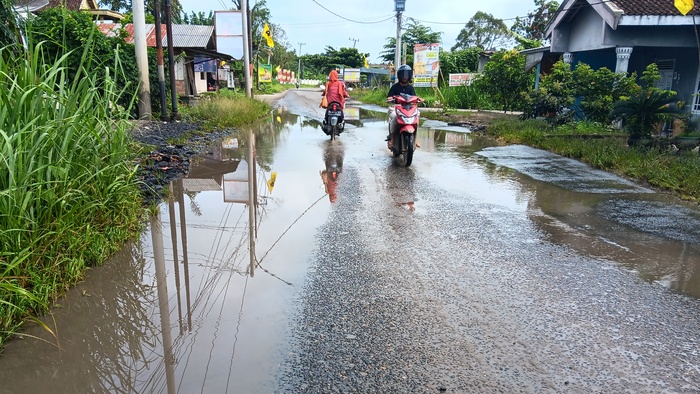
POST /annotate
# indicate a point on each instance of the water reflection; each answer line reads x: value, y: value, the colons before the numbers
x: 333, y: 154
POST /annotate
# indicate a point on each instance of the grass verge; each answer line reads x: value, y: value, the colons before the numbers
x: 606, y: 149
x: 68, y: 196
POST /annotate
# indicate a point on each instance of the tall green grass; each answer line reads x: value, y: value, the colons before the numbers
x: 227, y: 110
x: 68, y: 193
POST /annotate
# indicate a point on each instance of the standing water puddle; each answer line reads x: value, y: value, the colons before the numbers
x: 189, y: 308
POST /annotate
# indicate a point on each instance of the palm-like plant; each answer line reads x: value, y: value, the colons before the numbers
x: 643, y: 111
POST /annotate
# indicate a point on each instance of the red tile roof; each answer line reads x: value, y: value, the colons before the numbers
x: 111, y: 29
x: 652, y: 7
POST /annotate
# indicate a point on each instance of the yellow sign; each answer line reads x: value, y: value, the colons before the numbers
x: 271, y: 181
x: 684, y: 6
x: 267, y: 34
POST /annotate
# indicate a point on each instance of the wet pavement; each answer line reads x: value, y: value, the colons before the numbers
x: 477, y: 269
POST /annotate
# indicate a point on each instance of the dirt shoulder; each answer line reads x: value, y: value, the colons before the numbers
x: 476, y: 120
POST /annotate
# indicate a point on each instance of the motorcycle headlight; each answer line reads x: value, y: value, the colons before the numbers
x: 409, y: 119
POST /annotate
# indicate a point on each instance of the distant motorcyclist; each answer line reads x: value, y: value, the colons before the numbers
x: 335, y: 89
x: 404, y: 75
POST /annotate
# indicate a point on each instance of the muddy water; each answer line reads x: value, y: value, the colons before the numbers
x: 188, y: 308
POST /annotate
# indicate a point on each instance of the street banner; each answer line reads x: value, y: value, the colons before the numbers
x: 204, y: 64
x: 264, y: 73
x: 462, y: 79
x: 426, y: 65
x: 351, y: 75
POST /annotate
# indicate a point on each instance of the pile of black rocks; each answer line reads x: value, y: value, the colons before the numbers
x: 167, y: 162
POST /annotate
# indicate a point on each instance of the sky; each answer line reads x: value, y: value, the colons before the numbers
x: 320, y: 23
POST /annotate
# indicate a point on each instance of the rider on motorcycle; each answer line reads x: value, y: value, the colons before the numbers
x: 335, y: 91
x: 404, y: 75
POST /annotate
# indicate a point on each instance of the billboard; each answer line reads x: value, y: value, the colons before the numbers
x: 462, y: 79
x: 351, y: 75
x: 426, y: 65
x: 228, y: 26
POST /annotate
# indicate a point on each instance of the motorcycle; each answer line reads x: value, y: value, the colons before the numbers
x: 404, y: 125
x: 334, y: 120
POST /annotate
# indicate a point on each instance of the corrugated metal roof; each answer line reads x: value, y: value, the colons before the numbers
x: 184, y: 36
x: 191, y: 36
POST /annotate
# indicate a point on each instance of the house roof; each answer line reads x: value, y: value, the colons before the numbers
x: 184, y: 36
x: 74, y: 5
x: 651, y: 7
x: 625, y: 12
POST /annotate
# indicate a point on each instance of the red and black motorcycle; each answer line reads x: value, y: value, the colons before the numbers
x: 404, y: 125
x: 334, y: 120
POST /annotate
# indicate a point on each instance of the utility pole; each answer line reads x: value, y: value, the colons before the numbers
x: 144, y: 92
x: 246, y: 50
x: 171, y: 59
x: 299, y: 69
x: 161, y: 68
x: 354, y: 41
x: 399, y: 7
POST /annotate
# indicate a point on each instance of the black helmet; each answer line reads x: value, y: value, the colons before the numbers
x: 404, y: 72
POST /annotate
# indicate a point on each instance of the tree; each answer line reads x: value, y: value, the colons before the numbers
x: 483, y: 31
x: 9, y: 31
x: 198, y: 18
x: 504, y: 79
x: 415, y: 33
x: 125, y: 6
x: 532, y: 26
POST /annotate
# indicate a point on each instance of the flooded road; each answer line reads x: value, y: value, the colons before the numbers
x: 477, y: 269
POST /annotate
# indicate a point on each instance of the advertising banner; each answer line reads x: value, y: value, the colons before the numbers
x: 426, y: 65
x: 265, y: 73
x: 204, y: 64
x: 462, y: 79
x: 351, y: 75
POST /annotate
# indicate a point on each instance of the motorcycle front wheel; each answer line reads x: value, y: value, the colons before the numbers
x: 408, y: 144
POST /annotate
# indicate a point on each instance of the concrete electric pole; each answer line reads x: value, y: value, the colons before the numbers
x: 299, y: 69
x: 399, y: 7
x: 246, y: 50
x: 354, y: 41
x: 144, y: 93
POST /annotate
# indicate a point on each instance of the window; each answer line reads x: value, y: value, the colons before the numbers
x: 202, y: 76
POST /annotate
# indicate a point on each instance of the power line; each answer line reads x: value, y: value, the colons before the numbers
x: 351, y: 20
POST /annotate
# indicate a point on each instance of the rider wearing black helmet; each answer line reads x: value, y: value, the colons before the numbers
x: 404, y: 75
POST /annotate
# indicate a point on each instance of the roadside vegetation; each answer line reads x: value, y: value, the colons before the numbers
x: 226, y: 109
x: 69, y: 194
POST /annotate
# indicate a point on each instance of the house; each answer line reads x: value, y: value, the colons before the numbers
x: 194, y: 47
x: 89, y: 6
x: 627, y: 36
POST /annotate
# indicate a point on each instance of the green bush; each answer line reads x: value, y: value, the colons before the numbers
x: 63, y: 30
